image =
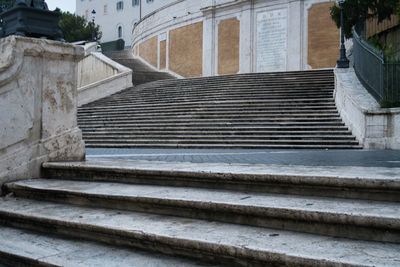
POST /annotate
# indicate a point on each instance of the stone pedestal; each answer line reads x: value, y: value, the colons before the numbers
x: 38, y: 105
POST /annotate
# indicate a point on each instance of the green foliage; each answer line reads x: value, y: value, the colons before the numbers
x: 5, y: 4
x: 77, y: 28
x: 357, y: 11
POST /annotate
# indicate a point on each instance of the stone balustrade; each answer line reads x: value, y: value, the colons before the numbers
x: 38, y: 105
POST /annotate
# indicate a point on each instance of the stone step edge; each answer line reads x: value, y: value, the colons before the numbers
x: 331, y: 223
x: 178, y: 245
x: 336, y: 182
x: 34, y: 249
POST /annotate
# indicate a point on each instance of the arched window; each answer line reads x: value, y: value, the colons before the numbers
x: 119, y: 31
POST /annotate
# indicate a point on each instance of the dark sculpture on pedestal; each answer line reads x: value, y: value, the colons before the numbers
x: 30, y: 18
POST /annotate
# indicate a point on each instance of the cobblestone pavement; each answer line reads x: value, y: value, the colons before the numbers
x: 360, y: 158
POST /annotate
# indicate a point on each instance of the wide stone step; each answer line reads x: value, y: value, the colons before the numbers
x: 223, y: 146
x: 211, y: 109
x: 177, y: 96
x: 357, y: 219
x: 287, y: 140
x: 338, y: 182
x: 208, y: 125
x: 329, y: 102
x: 112, y: 137
x: 20, y: 247
x: 194, y: 119
x: 220, y: 242
x: 140, y: 102
x: 227, y: 133
x: 206, y: 114
x: 218, y: 128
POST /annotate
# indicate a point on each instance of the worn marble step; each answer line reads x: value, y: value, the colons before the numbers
x: 227, y: 133
x: 220, y: 242
x: 230, y: 125
x: 357, y: 219
x: 160, y: 98
x: 223, y: 146
x: 252, y: 128
x: 215, y: 112
x: 274, y: 102
x: 192, y: 120
x: 319, y: 181
x: 182, y: 115
x: 131, y: 138
x: 156, y: 99
x: 19, y: 247
x: 225, y: 92
x: 211, y: 109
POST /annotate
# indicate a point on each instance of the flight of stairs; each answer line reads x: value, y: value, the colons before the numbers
x: 105, y: 214
x: 141, y: 72
x: 263, y: 110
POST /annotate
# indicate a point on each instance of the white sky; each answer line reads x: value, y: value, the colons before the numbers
x: 64, y: 5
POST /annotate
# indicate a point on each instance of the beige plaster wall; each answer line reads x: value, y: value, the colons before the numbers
x: 323, y: 37
x: 148, y: 51
x: 186, y: 50
x: 228, y: 46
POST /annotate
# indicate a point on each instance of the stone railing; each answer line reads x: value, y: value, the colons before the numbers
x: 99, y: 76
x: 38, y: 105
x: 374, y: 127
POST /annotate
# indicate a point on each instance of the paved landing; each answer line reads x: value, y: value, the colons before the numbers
x: 358, y: 158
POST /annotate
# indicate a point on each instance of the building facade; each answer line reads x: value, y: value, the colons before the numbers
x: 193, y: 38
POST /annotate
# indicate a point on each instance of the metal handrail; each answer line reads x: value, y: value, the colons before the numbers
x: 380, y: 78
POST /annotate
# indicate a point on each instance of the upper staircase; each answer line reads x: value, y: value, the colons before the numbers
x: 263, y: 110
x: 141, y: 72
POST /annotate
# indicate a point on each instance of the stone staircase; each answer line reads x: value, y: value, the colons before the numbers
x: 102, y: 214
x: 269, y: 110
x: 141, y: 72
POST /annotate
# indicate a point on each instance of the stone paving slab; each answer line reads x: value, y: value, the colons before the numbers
x: 57, y: 251
x: 359, y: 158
x: 211, y: 237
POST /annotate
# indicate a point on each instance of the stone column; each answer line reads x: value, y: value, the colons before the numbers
x: 38, y: 105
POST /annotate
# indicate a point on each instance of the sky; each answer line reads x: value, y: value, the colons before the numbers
x: 64, y: 5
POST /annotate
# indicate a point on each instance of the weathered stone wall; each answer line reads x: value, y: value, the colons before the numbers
x: 99, y: 76
x: 38, y: 105
x: 374, y: 127
x: 228, y: 46
x: 186, y: 50
x: 323, y: 37
x: 92, y: 69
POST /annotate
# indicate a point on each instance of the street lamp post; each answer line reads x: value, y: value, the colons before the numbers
x: 93, y: 25
x: 343, y: 61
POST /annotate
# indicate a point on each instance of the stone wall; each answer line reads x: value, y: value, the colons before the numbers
x: 240, y: 36
x: 99, y: 76
x: 374, y: 127
x: 38, y: 105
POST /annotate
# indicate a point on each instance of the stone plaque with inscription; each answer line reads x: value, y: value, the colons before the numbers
x: 272, y: 40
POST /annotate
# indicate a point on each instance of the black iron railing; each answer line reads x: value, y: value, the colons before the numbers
x: 380, y: 77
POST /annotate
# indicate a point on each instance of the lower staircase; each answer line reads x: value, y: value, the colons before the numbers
x: 105, y: 214
x: 261, y: 110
